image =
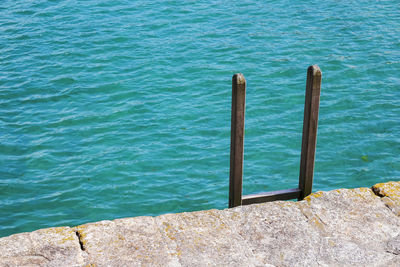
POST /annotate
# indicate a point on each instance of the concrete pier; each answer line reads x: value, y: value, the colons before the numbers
x: 359, y: 227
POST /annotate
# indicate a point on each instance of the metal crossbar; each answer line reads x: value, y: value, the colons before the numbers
x: 309, y: 139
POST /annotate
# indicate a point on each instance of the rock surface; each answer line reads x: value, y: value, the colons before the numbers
x: 342, y: 227
x: 390, y: 193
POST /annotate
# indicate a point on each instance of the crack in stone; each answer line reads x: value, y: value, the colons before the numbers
x: 40, y: 255
x: 393, y: 246
x: 388, y: 206
x: 376, y: 192
x: 80, y: 241
x: 392, y: 252
x: 305, y: 215
x: 383, y: 197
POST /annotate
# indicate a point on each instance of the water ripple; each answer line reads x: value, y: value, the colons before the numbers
x: 119, y: 109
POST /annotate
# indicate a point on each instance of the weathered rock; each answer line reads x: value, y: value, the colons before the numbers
x: 353, y: 225
x: 336, y: 228
x: 393, y: 245
x: 125, y: 242
x: 205, y: 238
x: 277, y: 233
x: 390, y: 193
x: 47, y: 247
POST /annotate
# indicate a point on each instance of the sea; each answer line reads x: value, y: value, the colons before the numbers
x: 112, y: 109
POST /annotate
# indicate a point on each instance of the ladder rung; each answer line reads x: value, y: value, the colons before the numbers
x: 271, y: 196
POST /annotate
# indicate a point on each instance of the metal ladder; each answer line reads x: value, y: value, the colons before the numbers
x: 309, y: 139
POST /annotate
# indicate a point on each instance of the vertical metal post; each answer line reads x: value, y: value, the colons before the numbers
x: 237, y: 138
x: 310, y: 124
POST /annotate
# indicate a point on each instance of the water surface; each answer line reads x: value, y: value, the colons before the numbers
x: 122, y: 108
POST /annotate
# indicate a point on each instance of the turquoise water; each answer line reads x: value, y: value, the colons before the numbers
x: 114, y: 109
